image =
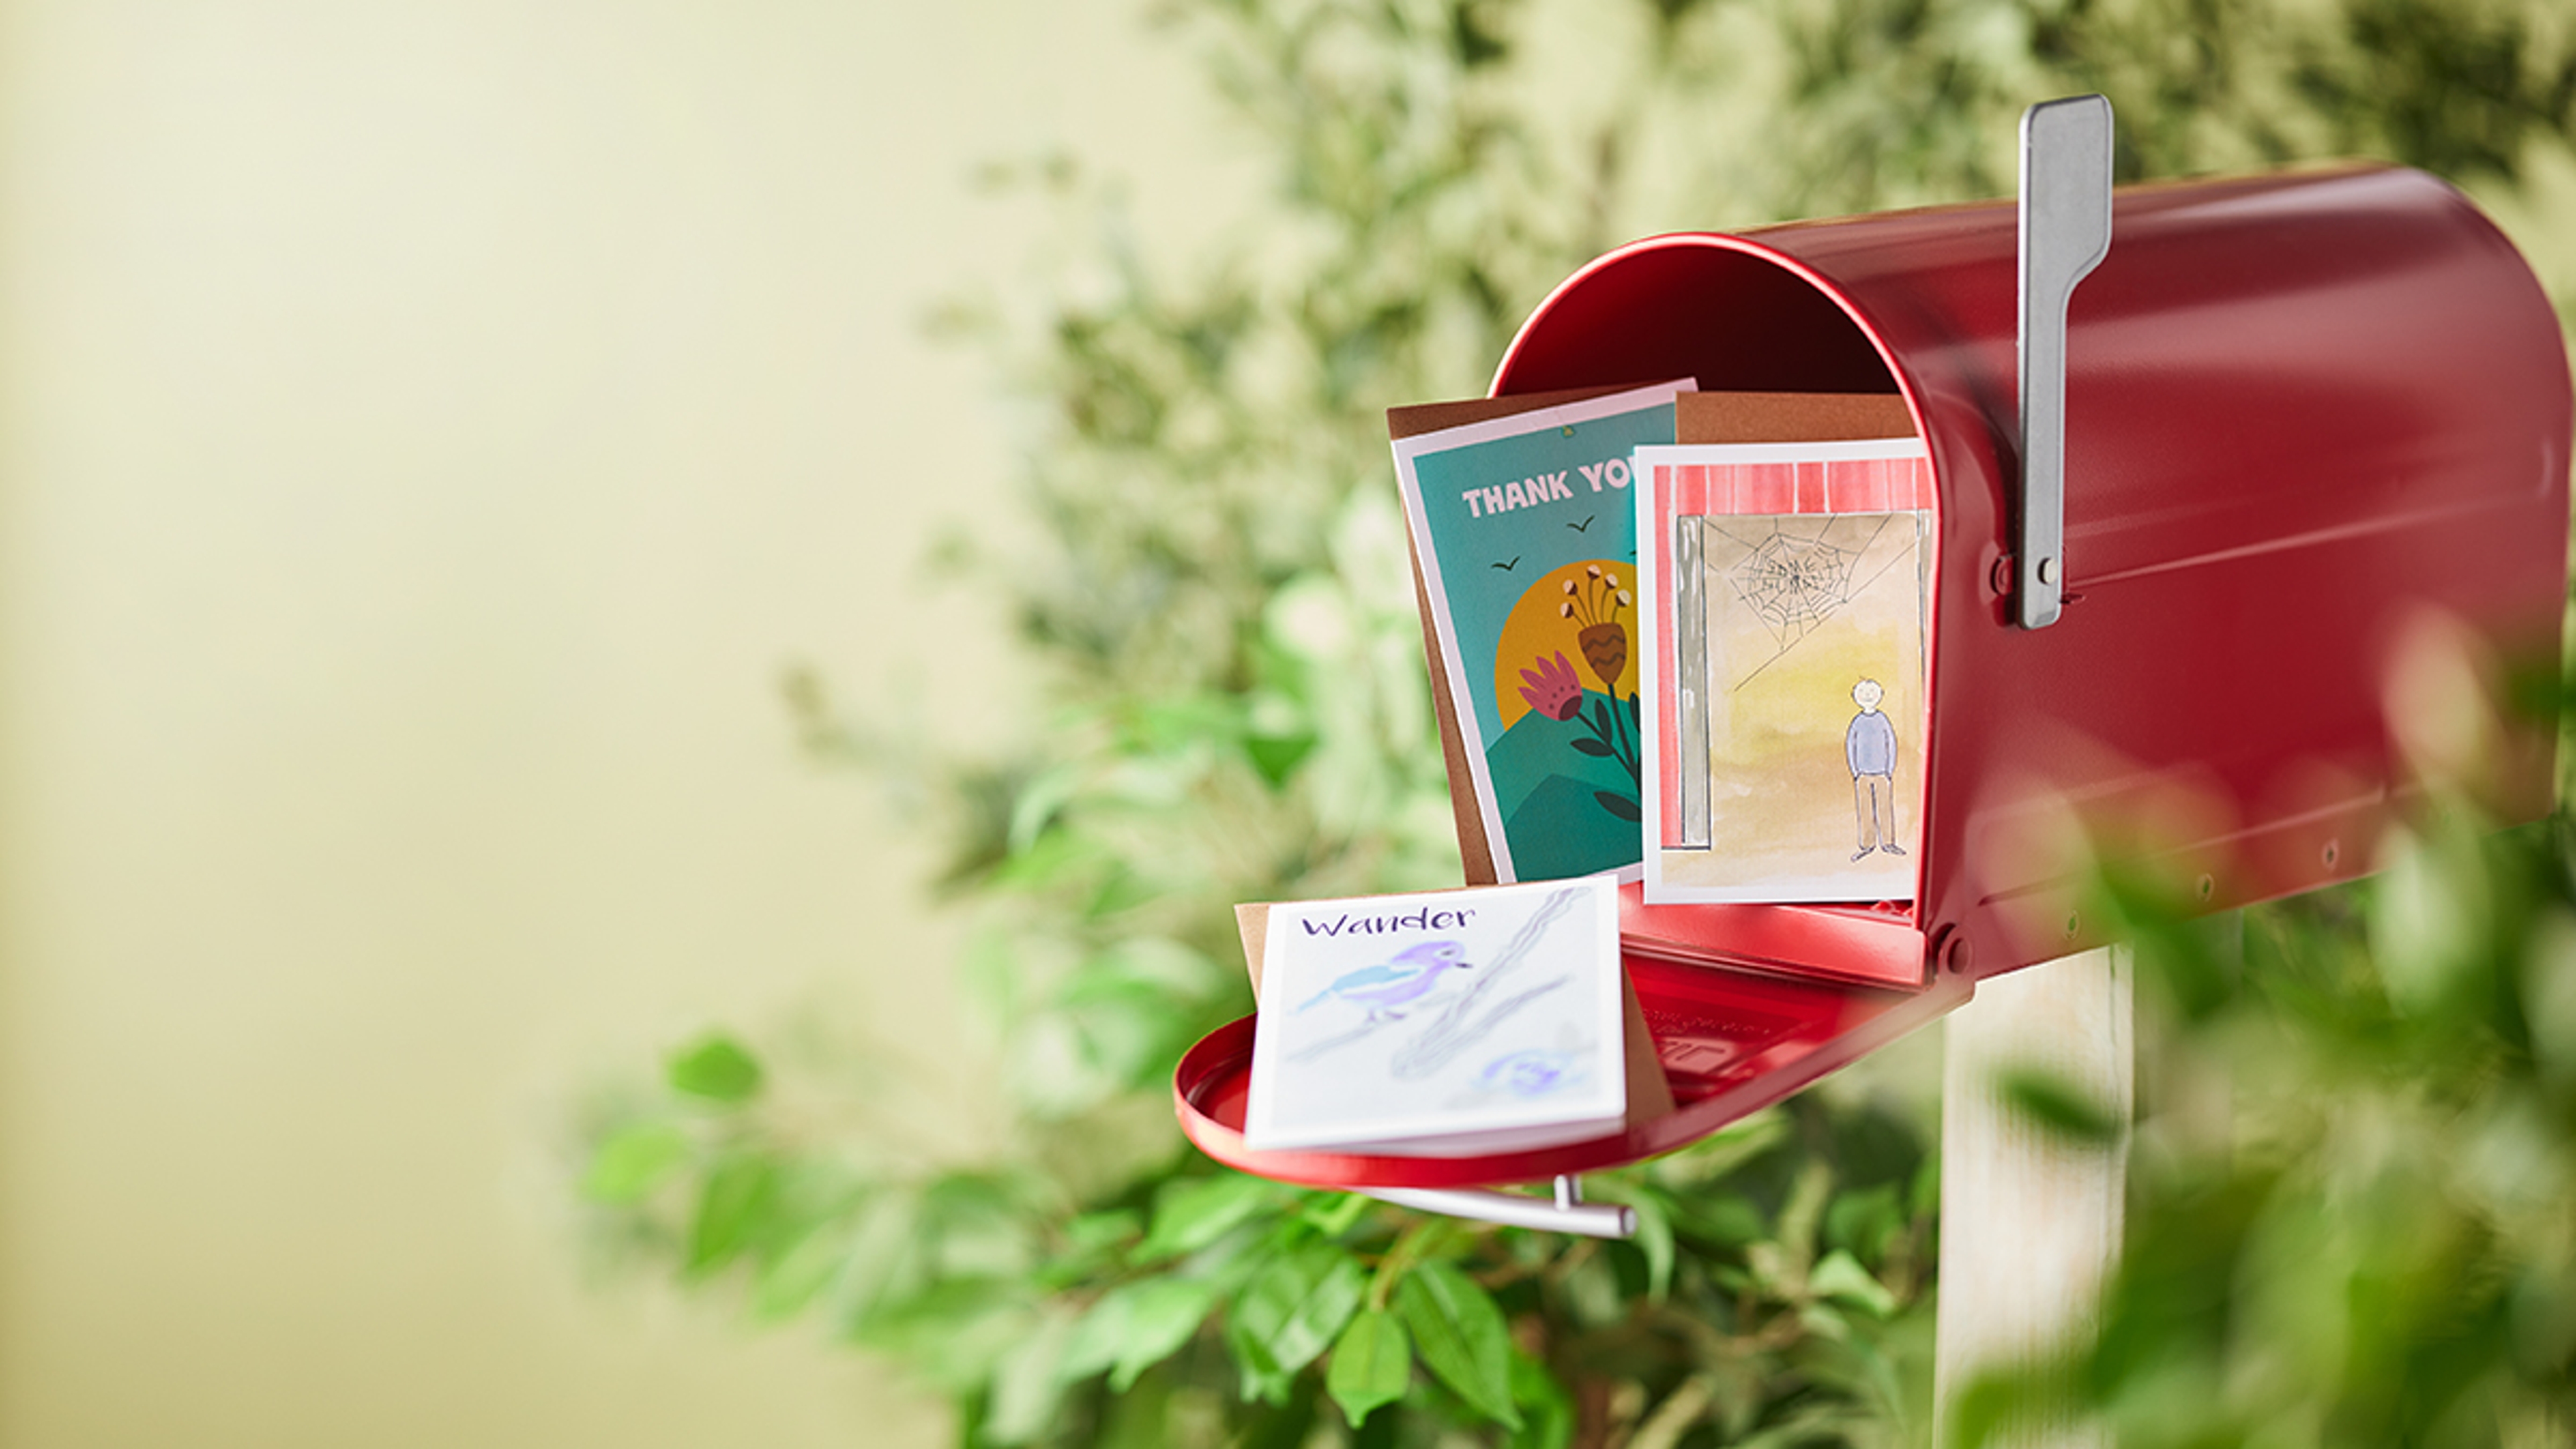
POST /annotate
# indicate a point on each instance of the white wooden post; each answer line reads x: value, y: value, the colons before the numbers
x: 2030, y: 1227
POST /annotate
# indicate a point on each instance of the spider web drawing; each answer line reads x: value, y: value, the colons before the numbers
x: 1793, y: 582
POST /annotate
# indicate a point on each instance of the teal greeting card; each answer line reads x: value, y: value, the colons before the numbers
x: 1527, y: 533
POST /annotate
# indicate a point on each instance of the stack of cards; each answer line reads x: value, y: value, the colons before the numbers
x: 1683, y: 628
x: 1672, y: 633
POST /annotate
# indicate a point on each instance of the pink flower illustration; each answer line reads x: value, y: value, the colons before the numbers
x: 1553, y: 690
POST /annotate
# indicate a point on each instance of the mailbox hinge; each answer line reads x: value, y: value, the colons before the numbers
x: 2065, y: 233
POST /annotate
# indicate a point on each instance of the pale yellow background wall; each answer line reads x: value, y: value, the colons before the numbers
x: 425, y: 431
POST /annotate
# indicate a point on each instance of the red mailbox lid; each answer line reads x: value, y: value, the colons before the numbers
x: 1731, y: 1041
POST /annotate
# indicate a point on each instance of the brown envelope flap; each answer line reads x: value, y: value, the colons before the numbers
x: 1415, y: 419
x: 1789, y: 417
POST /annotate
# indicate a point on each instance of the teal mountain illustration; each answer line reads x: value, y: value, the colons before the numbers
x: 1544, y: 788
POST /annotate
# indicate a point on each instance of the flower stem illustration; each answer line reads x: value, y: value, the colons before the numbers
x: 1594, y: 604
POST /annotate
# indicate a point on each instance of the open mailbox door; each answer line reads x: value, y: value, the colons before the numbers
x: 1728, y: 1041
x: 2303, y: 413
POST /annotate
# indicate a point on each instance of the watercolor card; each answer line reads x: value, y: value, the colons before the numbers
x: 1784, y: 652
x: 1525, y: 530
x: 1447, y: 1023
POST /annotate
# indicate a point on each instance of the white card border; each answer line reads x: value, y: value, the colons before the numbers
x: 1650, y: 682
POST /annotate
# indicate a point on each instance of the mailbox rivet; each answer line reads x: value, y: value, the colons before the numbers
x: 2208, y: 886
x: 2334, y: 852
x: 2000, y: 577
x: 2048, y: 571
x: 1958, y: 956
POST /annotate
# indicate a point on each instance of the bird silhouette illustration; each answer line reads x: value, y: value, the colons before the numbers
x: 1396, y: 982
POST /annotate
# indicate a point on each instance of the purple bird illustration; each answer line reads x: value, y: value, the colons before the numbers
x: 1395, y: 982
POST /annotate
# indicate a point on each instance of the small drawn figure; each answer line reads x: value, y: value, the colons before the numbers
x: 1869, y: 747
x: 1396, y: 982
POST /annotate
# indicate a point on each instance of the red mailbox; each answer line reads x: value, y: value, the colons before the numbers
x: 2301, y: 411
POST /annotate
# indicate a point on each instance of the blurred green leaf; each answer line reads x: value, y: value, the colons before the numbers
x: 883, y: 1260
x: 1027, y: 1387
x: 635, y: 1160
x: 1372, y: 1364
x: 1722, y: 1222
x: 1098, y: 1231
x: 1128, y: 1030
x: 973, y: 1225
x: 1839, y: 1275
x: 1258, y: 1375
x: 1548, y: 1418
x: 796, y: 1277
x: 1163, y: 1316
x: 955, y: 1332
x: 1191, y: 1213
x: 716, y: 1068
x: 1040, y: 800
x: 1460, y: 1335
x: 1923, y: 1197
x: 2060, y: 1107
x: 1294, y: 1307
x: 1654, y: 1239
x: 1726, y: 1151
x: 735, y: 1206
x: 1334, y: 1214
x: 1137, y: 1325
x: 1863, y: 1222
x: 1277, y: 757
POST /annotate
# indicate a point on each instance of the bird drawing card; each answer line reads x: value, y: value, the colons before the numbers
x: 1784, y: 644
x: 1448, y: 1023
x: 1526, y: 537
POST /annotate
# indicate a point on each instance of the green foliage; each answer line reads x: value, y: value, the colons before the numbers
x: 1234, y: 708
x: 1783, y: 1283
x: 2350, y: 1203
